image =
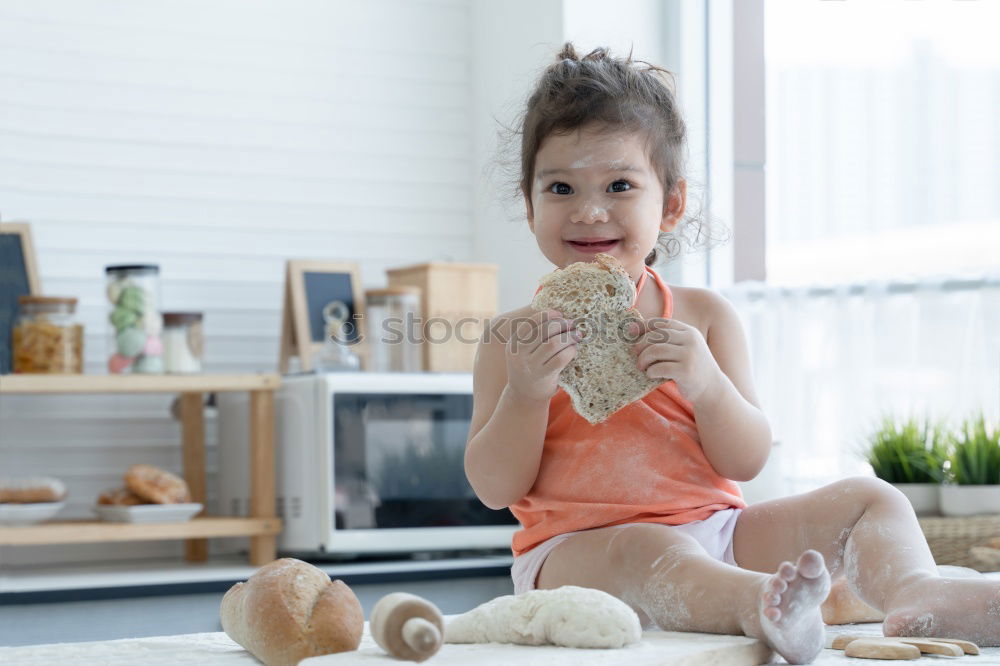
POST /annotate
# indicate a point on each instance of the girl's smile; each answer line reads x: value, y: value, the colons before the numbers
x: 593, y: 246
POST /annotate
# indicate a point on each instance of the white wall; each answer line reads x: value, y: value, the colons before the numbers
x: 217, y: 140
x: 508, y: 52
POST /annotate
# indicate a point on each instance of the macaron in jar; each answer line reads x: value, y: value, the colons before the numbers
x: 135, y: 325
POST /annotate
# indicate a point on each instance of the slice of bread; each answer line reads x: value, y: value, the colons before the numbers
x: 603, y: 377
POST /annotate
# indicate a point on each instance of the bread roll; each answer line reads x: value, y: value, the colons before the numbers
x: 289, y: 610
x: 603, y: 377
x: 120, y: 497
x: 155, y: 485
x: 31, y: 490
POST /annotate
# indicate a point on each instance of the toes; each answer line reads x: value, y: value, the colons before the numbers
x: 787, y: 571
x: 772, y: 613
x: 777, y: 585
x: 811, y: 564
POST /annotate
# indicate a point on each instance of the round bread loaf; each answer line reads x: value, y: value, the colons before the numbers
x: 289, y: 610
x: 156, y: 485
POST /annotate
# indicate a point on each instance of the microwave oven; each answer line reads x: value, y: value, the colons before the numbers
x: 366, y: 463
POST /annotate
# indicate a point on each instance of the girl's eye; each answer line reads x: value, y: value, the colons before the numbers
x: 619, y: 186
x: 560, y: 188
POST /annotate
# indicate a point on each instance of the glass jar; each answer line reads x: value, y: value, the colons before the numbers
x: 394, y: 345
x: 183, y: 342
x: 46, y: 337
x: 134, y: 342
x: 336, y: 354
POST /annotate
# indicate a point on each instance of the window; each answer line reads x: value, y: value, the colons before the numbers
x: 882, y: 245
x: 883, y: 140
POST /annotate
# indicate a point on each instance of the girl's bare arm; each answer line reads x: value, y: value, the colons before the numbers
x: 734, y: 432
x: 509, y: 418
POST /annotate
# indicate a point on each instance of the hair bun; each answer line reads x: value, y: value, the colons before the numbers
x: 568, y: 52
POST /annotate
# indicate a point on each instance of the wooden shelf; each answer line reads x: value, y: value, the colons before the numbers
x: 90, y: 531
x: 262, y: 526
x: 26, y: 383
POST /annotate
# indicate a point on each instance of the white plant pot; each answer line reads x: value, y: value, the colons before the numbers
x: 925, y: 497
x: 969, y: 500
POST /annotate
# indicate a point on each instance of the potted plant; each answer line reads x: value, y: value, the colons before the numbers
x: 973, y: 470
x: 910, y: 455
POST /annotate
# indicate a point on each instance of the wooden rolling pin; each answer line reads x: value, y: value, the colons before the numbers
x: 407, y: 626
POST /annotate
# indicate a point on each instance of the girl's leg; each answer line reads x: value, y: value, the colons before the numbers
x: 668, y: 578
x: 867, y: 531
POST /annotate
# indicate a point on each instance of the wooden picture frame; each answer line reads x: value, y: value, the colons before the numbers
x: 18, y: 276
x: 310, y: 285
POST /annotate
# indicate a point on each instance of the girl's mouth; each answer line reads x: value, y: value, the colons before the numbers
x: 593, y: 248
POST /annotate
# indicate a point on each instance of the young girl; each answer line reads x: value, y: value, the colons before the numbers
x: 644, y: 505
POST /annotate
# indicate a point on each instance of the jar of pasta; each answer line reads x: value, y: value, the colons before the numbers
x: 135, y: 345
x: 46, y: 337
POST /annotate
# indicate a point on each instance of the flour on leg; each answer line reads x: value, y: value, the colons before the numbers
x: 569, y: 616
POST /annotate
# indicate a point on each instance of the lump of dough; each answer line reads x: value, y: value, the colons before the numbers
x: 569, y: 616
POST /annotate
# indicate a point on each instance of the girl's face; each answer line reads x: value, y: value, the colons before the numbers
x: 597, y: 191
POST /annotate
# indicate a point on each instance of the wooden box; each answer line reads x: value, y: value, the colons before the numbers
x: 456, y: 299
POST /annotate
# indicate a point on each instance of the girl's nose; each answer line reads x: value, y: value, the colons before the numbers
x: 590, y: 212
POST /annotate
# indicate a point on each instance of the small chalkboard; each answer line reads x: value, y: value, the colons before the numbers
x: 328, y: 289
x: 18, y: 276
x: 312, y: 288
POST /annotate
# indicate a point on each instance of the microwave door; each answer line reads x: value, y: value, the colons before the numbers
x: 399, y: 463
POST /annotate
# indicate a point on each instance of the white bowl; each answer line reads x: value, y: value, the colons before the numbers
x: 970, y: 500
x: 28, y: 514
x: 147, y: 513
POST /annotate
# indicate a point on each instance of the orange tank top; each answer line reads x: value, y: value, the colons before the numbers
x: 644, y: 464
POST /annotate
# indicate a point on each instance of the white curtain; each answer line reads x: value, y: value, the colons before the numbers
x: 829, y: 362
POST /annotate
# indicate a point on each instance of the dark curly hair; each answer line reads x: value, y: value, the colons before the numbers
x: 619, y: 93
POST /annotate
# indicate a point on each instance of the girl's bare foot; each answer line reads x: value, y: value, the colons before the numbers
x: 966, y: 608
x: 789, y: 608
x: 845, y: 607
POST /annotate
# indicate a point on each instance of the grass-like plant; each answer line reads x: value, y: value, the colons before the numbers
x: 907, y: 450
x: 975, y: 455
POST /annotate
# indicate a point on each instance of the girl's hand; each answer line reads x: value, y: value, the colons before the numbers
x: 539, y: 347
x: 671, y: 349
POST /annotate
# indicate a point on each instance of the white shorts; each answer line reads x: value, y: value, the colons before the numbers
x: 715, y: 534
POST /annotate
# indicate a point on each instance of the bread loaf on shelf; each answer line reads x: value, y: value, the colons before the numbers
x: 289, y: 610
x: 31, y: 490
x: 155, y: 485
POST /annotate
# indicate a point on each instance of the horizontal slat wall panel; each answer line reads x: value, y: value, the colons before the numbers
x: 218, y: 140
x: 243, y: 215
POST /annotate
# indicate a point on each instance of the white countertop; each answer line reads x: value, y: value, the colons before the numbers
x: 211, y: 649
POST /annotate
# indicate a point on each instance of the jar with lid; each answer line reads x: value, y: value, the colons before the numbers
x: 135, y: 345
x: 336, y: 354
x: 392, y: 329
x: 47, y: 337
x: 183, y: 342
